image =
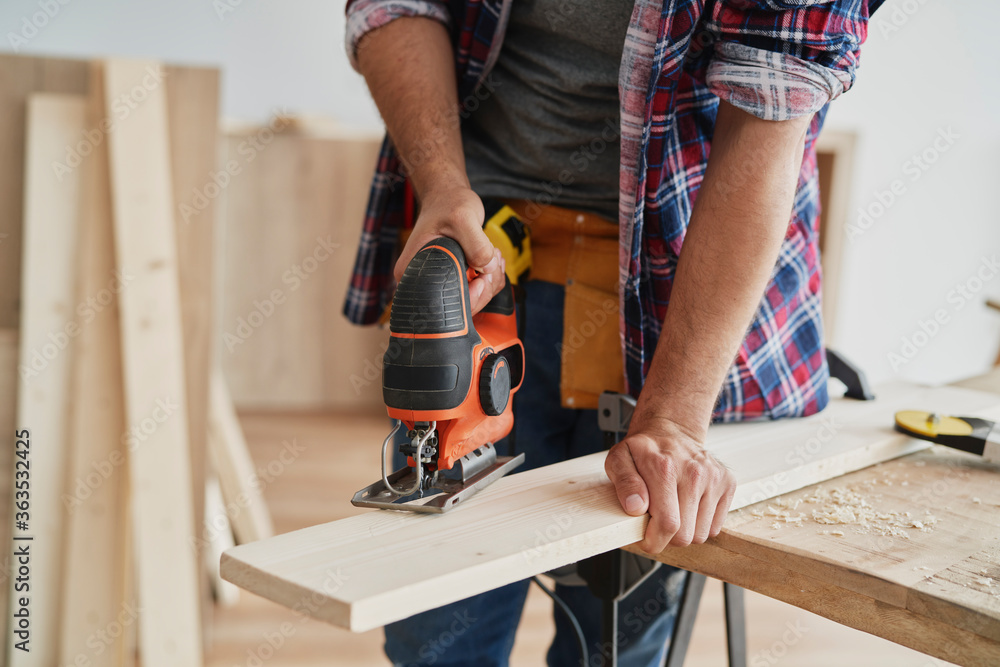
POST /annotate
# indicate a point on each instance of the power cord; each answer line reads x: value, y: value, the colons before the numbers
x: 584, y: 657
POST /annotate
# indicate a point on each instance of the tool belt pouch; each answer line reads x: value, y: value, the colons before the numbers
x: 591, y: 346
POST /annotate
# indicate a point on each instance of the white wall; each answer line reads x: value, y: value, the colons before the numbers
x: 933, y: 74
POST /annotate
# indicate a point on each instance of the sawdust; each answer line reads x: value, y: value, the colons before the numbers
x: 848, y: 506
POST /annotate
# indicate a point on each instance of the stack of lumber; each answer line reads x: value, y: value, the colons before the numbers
x: 106, y: 320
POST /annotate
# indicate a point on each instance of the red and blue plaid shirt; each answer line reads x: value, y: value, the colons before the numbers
x: 776, y: 59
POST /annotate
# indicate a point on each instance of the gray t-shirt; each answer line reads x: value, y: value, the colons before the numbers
x: 550, y: 130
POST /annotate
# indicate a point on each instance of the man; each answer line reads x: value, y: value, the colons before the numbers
x: 514, y: 100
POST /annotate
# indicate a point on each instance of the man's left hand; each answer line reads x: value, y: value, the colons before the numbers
x: 661, y: 469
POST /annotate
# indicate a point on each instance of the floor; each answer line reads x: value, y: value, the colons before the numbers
x: 310, y: 464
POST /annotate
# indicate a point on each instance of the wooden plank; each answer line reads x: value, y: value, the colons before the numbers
x: 51, y: 200
x: 95, y: 497
x: 20, y: 76
x: 376, y: 568
x: 293, y: 197
x: 244, y: 502
x: 193, y: 118
x: 153, y: 363
x: 220, y: 538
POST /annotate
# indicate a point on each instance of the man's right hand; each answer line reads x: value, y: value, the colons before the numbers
x: 457, y: 212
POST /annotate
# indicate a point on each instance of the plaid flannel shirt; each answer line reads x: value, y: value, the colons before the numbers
x: 776, y: 59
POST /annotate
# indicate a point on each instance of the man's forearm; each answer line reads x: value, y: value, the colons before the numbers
x: 739, y: 219
x: 409, y: 67
x: 410, y: 70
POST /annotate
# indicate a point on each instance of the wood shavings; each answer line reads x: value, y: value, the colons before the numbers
x: 781, y: 516
x: 847, y: 506
x: 835, y: 533
x: 985, y: 581
x: 977, y: 501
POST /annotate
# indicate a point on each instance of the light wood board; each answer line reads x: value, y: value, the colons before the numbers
x: 220, y: 538
x: 373, y: 569
x: 292, y: 196
x: 51, y: 203
x: 193, y: 118
x: 244, y: 502
x: 153, y: 363
x: 95, y: 494
x: 20, y: 76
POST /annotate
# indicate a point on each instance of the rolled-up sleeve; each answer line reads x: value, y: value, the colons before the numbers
x: 363, y: 16
x: 780, y: 59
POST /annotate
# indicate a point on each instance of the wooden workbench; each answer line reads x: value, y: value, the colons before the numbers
x: 929, y: 581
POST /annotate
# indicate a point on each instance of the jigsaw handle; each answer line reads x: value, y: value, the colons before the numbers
x: 432, y: 297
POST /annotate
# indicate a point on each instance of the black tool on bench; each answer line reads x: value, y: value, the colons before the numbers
x: 613, y: 575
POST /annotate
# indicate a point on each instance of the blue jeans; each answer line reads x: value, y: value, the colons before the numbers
x: 479, y: 631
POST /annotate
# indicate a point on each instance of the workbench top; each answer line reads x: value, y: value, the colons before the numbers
x: 908, y: 550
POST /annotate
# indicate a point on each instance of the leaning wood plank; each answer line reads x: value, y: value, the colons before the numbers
x: 220, y: 538
x: 244, y: 502
x: 153, y: 364
x: 20, y: 76
x: 376, y: 568
x: 95, y: 499
x: 193, y: 119
x: 51, y: 201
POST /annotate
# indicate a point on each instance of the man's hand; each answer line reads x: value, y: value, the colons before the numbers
x: 661, y: 469
x: 457, y: 212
